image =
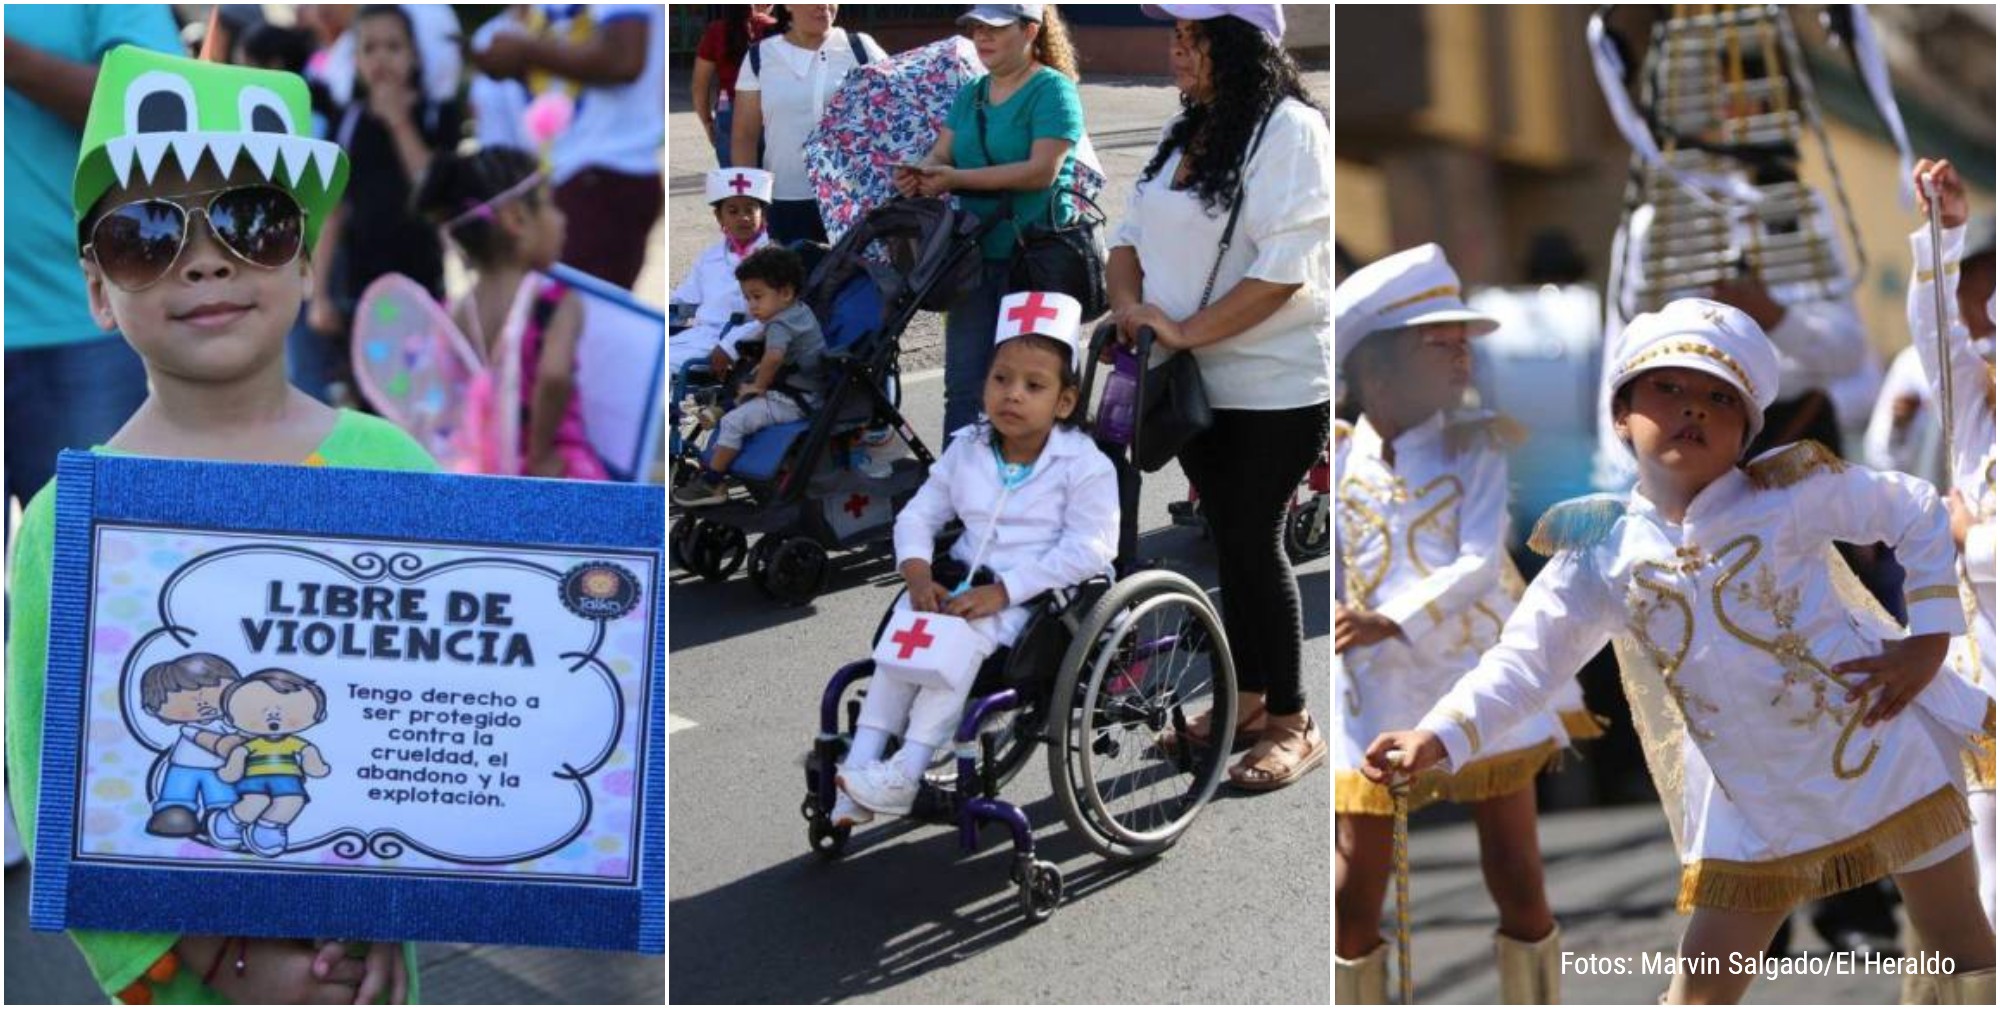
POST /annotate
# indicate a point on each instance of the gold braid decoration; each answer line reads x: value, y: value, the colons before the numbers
x: 1791, y: 653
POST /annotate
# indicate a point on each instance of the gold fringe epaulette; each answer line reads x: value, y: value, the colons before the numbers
x: 1583, y: 723
x: 1783, y: 883
x: 1577, y: 524
x: 1495, y: 430
x: 1786, y: 466
x: 1480, y: 780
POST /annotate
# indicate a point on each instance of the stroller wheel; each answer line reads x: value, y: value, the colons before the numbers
x: 714, y: 550
x: 679, y: 541
x: 797, y: 571
x: 760, y: 563
x: 1306, y: 530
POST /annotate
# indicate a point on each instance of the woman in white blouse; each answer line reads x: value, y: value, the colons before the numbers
x: 1261, y: 335
x: 781, y: 92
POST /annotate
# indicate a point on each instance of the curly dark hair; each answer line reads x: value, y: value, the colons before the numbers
x: 779, y: 268
x: 1251, y: 75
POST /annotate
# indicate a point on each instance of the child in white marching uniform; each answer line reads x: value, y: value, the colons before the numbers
x: 1749, y: 653
x: 740, y: 197
x: 1422, y: 506
x: 1972, y: 464
x: 1039, y: 502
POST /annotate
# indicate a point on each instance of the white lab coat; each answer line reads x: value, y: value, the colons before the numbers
x: 1422, y: 543
x: 1972, y: 457
x: 1058, y: 528
x: 1737, y: 605
x: 711, y: 286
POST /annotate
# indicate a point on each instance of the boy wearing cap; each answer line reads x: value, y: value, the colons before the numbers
x: 1748, y: 650
x: 739, y: 196
x: 1422, y: 506
x: 1040, y: 506
x: 197, y: 196
x: 1968, y: 282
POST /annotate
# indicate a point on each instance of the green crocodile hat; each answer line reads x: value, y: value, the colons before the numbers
x: 147, y: 104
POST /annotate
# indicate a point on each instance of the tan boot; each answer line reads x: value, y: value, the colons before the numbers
x: 1530, y: 972
x: 1364, y: 980
x: 1965, y: 987
x: 1919, y: 987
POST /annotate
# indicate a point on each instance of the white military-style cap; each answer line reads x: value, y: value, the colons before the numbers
x: 724, y: 183
x: 1414, y: 287
x: 1040, y: 313
x: 1706, y: 336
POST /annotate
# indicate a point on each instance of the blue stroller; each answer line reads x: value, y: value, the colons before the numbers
x: 807, y: 496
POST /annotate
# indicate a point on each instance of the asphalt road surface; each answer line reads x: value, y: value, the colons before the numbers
x: 1236, y: 912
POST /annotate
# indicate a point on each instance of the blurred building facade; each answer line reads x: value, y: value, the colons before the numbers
x: 1481, y: 126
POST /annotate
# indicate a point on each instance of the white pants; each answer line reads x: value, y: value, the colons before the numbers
x: 748, y: 419
x: 928, y: 716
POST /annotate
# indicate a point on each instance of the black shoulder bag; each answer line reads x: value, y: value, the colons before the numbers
x: 1068, y: 258
x: 1173, y: 404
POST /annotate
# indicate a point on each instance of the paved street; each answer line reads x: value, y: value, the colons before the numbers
x: 1236, y: 913
x: 1611, y: 876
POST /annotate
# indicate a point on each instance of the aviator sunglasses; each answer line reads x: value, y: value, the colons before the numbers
x: 136, y: 244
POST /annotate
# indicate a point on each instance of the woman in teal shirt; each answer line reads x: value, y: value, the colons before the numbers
x: 1025, y: 157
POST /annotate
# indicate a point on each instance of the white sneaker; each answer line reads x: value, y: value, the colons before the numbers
x: 846, y: 813
x: 880, y: 788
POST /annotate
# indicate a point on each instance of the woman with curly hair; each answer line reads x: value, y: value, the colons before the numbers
x: 1008, y: 149
x: 1249, y: 155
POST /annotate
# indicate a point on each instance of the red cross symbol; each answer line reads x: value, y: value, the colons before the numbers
x: 1030, y: 312
x: 912, y: 640
x: 741, y: 183
x: 856, y: 505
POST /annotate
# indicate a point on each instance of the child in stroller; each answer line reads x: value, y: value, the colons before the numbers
x: 788, y: 379
x: 1044, y: 504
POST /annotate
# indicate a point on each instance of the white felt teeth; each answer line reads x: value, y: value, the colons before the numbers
x: 269, y: 152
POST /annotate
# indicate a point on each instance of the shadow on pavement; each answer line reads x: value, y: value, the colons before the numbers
x: 885, y: 913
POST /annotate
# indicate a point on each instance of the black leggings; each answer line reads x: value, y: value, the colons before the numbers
x: 1246, y: 467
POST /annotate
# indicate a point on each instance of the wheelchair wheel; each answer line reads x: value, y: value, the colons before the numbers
x: 679, y: 539
x: 1150, y: 656
x: 1039, y: 888
x: 1306, y: 528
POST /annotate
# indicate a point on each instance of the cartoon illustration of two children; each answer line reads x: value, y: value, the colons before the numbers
x: 237, y: 771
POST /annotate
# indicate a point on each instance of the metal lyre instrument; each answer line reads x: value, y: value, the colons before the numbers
x: 1726, y: 99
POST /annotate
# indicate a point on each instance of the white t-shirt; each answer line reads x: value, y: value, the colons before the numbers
x: 1281, y: 237
x: 622, y: 127
x: 188, y: 753
x: 794, y: 86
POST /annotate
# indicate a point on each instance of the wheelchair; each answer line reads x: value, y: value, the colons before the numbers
x: 1099, y: 672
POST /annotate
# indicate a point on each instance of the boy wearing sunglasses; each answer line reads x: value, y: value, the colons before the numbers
x: 197, y: 195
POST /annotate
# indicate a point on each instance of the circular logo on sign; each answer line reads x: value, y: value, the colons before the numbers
x: 599, y: 591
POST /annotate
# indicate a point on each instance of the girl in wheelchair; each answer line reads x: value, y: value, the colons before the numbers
x: 1039, y: 502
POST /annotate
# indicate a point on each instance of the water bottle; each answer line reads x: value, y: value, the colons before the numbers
x: 1121, y: 394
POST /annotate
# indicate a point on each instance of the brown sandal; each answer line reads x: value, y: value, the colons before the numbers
x: 1282, y: 756
x: 1247, y: 731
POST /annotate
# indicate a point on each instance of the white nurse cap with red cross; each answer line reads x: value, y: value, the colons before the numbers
x: 1041, y: 313
x: 724, y: 183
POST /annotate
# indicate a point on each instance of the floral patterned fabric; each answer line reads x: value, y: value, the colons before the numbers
x: 889, y: 113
